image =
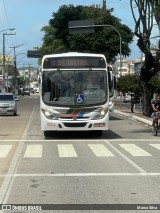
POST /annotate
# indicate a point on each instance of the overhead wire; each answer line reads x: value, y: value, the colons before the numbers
x: 5, y: 11
x: 1, y: 23
x: 4, y: 6
x: 8, y: 23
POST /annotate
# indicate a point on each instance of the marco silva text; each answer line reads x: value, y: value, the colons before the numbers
x: 147, y: 207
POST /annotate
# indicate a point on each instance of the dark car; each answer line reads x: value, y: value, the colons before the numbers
x: 31, y: 90
x: 26, y: 91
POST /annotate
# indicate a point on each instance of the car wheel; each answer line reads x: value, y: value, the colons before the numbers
x: 15, y: 114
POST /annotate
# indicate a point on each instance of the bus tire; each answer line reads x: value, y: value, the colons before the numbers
x: 47, y: 133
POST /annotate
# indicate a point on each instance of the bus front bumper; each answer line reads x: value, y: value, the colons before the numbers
x: 57, y: 125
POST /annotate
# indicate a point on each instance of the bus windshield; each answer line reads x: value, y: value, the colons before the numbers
x: 74, y: 87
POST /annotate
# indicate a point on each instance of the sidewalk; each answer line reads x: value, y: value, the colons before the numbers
x: 137, y: 115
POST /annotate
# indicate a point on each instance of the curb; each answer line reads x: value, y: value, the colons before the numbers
x: 137, y: 118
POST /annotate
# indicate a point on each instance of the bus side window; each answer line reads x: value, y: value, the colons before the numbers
x: 111, y: 84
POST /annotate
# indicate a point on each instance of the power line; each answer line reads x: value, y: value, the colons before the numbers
x: 1, y: 23
x: 5, y: 11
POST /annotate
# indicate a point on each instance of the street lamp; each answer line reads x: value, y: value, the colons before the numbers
x: 4, y: 34
x: 105, y: 25
x: 7, y: 30
x: 120, y: 42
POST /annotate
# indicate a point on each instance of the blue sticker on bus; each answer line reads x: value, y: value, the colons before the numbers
x: 79, y: 98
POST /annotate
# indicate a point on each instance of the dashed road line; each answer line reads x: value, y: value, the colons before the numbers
x: 157, y: 146
x: 66, y: 150
x: 4, y: 150
x: 33, y: 151
x: 100, y: 150
x: 134, y: 150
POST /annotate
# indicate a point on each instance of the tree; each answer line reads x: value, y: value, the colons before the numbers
x: 154, y: 84
x: 130, y: 84
x: 105, y: 40
x: 144, y: 12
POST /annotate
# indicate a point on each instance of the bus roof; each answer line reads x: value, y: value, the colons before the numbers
x: 73, y: 54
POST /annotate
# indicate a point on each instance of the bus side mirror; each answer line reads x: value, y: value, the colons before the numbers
x: 111, y: 84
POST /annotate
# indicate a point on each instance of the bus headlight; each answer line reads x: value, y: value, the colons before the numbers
x: 101, y: 114
x: 110, y: 103
x: 49, y: 115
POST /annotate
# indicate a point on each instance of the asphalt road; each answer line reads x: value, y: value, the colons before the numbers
x: 78, y: 169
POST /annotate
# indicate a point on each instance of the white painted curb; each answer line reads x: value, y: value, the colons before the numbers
x: 146, y: 121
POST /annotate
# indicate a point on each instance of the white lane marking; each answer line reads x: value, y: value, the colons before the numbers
x: 134, y: 150
x: 157, y: 146
x: 66, y: 150
x: 33, y: 151
x: 100, y: 150
x: 132, y: 163
x: 80, y: 174
x: 86, y: 140
x: 4, y: 150
x: 6, y: 186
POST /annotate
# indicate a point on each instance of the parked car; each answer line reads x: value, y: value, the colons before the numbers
x: 126, y: 97
x: 26, y: 91
x: 8, y: 105
x: 134, y: 97
x: 37, y: 90
x: 31, y: 89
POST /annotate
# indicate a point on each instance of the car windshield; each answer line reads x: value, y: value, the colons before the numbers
x: 70, y: 87
x: 6, y: 98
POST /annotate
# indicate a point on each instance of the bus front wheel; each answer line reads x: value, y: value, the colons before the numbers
x: 47, y: 133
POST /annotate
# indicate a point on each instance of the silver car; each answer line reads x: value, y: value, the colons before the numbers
x: 8, y: 105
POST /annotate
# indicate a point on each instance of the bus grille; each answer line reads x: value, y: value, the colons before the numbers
x: 72, y: 118
x: 74, y: 124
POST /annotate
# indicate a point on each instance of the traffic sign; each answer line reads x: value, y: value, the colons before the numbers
x: 81, y: 26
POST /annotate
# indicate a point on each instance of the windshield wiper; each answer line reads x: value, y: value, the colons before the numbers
x: 63, y: 77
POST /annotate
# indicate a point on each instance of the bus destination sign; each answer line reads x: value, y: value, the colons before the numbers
x: 74, y: 62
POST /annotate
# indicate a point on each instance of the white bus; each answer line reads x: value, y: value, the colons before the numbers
x: 68, y: 99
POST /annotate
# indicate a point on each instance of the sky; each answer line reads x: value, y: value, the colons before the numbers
x: 29, y: 16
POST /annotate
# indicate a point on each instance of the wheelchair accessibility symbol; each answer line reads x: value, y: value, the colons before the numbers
x: 80, y: 98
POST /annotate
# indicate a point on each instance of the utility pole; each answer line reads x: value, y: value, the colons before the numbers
x: 29, y: 75
x: 15, y: 68
x: 4, y: 55
x: 104, y: 4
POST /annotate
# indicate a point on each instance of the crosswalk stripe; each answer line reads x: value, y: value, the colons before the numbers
x: 4, y: 150
x: 66, y: 150
x: 33, y: 151
x: 134, y: 150
x: 100, y: 150
x: 157, y: 146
